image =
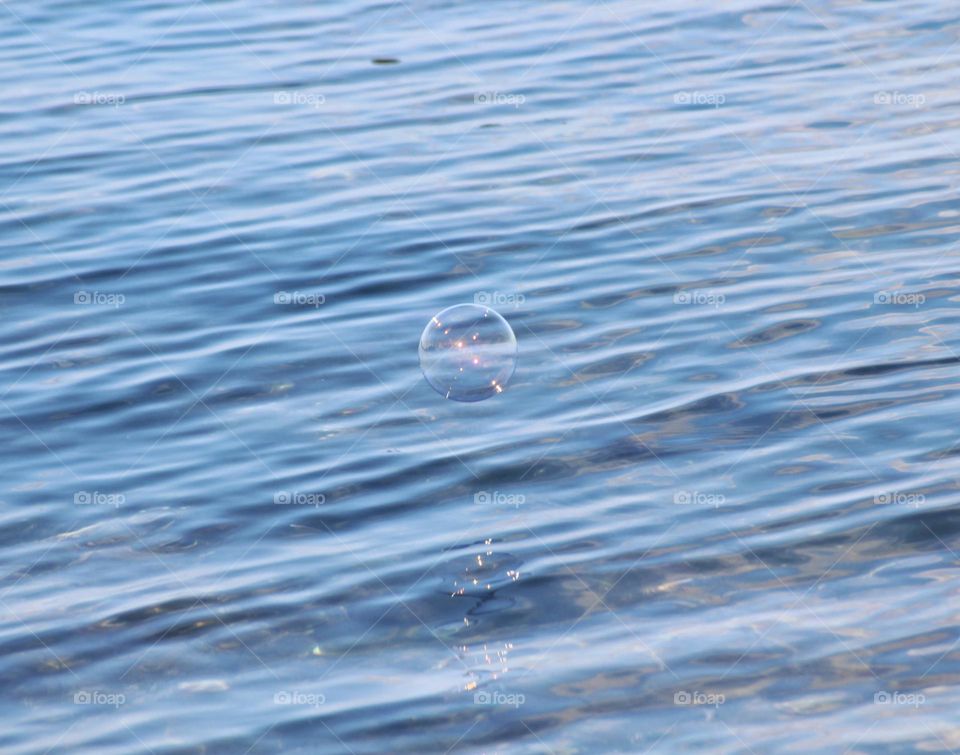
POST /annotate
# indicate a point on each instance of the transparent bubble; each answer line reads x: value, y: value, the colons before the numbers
x: 468, y: 352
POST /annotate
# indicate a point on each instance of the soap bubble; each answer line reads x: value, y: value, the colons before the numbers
x: 468, y: 352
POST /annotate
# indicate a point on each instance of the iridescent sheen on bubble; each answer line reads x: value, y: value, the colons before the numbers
x: 468, y: 352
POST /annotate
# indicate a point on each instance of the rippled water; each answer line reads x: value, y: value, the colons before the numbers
x: 714, y: 510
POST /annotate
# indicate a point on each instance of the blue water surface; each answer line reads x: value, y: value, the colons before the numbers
x: 715, y: 509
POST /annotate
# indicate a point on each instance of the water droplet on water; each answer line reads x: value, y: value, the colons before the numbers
x: 468, y: 352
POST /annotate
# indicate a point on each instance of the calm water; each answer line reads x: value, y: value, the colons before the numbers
x: 716, y: 509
